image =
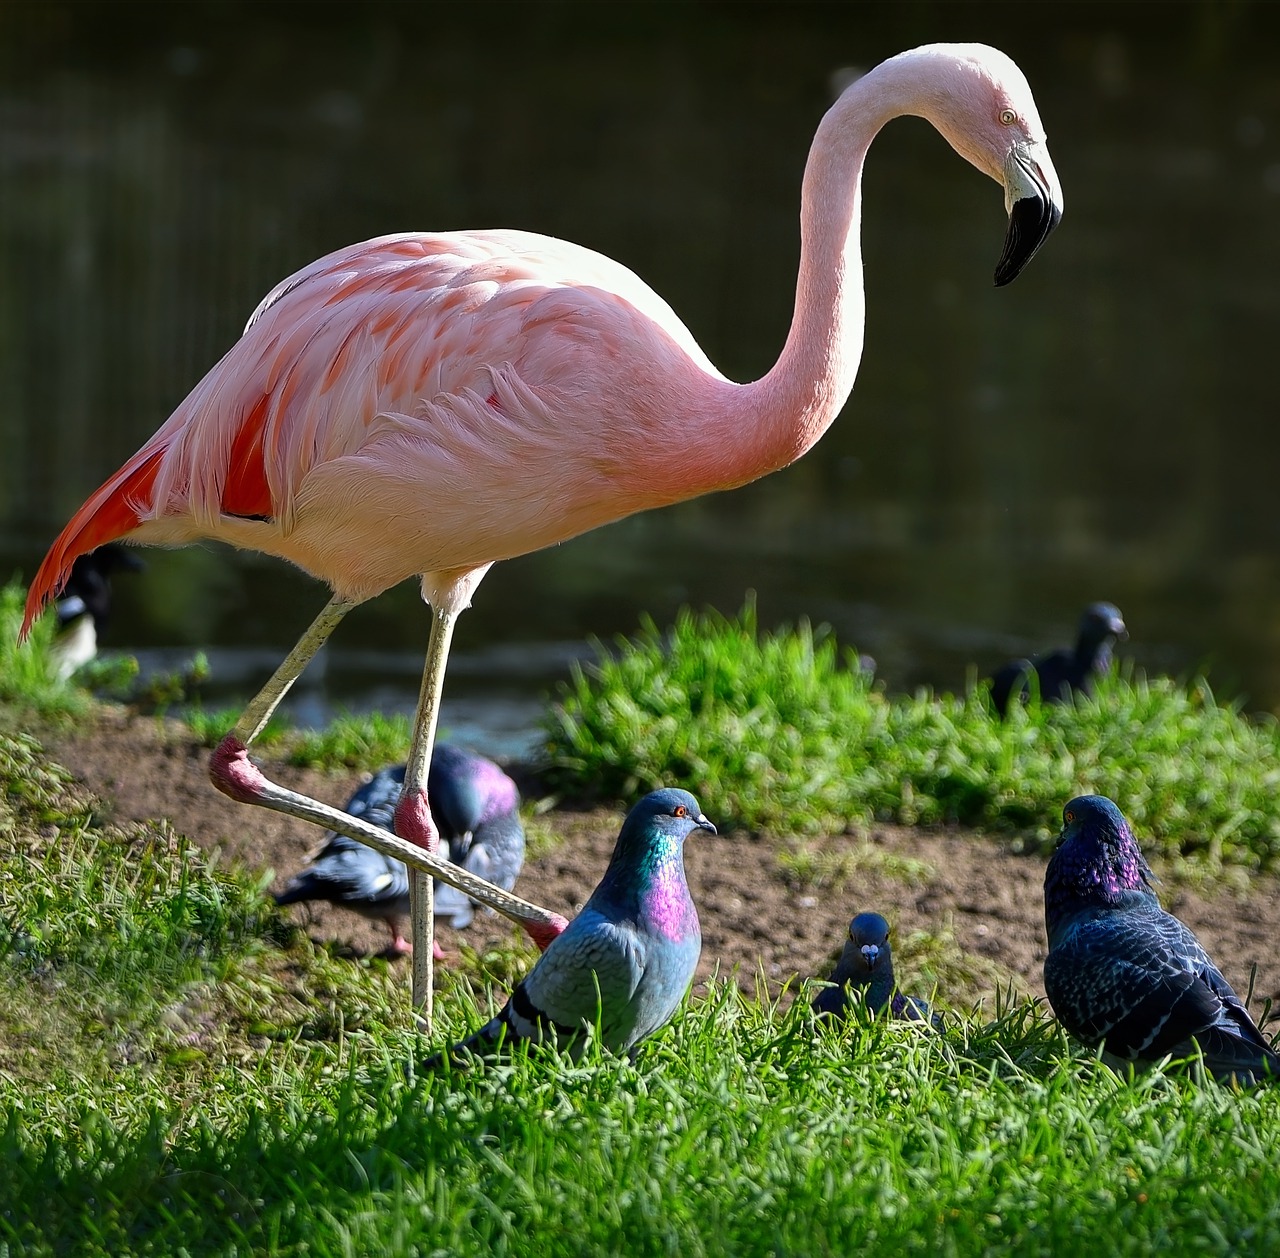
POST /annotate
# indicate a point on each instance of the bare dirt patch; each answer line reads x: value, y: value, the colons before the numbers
x: 753, y: 912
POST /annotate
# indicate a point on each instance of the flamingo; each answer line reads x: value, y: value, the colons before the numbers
x: 423, y: 405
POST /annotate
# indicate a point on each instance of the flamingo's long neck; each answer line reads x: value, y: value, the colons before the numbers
x: 781, y: 415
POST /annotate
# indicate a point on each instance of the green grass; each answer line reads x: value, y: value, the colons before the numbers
x: 785, y: 734
x: 29, y: 681
x: 183, y: 1073
x: 350, y: 741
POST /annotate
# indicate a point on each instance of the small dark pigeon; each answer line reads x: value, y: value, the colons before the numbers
x: 1123, y: 973
x: 626, y: 960
x: 476, y: 808
x: 1062, y: 673
x: 84, y: 606
x: 866, y: 964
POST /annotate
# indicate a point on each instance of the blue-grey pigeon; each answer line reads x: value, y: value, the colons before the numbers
x: 626, y: 960
x: 1123, y: 973
x: 866, y: 965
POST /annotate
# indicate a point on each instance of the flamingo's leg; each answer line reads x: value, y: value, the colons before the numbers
x: 413, y: 812
x: 236, y: 775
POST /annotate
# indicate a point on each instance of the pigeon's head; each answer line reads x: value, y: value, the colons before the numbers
x: 869, y: 937
x: 1098, y: 860
x: 1101, y: 621
x: 669, y: 811
x: 1095, y: 819
x: 657, y: 827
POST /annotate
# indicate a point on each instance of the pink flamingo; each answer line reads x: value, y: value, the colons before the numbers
x: 423, y: 405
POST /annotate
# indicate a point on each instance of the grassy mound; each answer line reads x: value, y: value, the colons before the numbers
x: 788, y: 735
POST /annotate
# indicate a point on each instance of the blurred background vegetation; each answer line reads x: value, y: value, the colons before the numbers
x: 1103, y: 429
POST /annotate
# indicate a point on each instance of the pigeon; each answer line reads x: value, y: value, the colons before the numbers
x: 85, y: 605
x: 1123, y: 973
x: 626, y: 960
x: 867, y: 965
x: 1063, y: 672
x: 476, y: 808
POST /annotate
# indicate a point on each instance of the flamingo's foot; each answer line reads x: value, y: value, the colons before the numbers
x: 413, y: 821
x: 234, y: 774
x: 543, y: 932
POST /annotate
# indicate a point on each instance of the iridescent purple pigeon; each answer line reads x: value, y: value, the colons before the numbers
x: 1123, y: 973
x: 477, y: 810
x: 626, y: 960
x: 866, y: 965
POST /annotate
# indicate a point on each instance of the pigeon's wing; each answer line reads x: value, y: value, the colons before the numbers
x: 1138, y: 981
x: 588, y: 974
x: 375, y: 802
x: 347, y: 872
x: 454, y: 905
x: 1232, y: 1043
x: 497, y: 850
x: 591, y: 971
x: 1057, y: 673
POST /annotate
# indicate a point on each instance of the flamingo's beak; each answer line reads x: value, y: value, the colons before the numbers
x: 1033, y: 197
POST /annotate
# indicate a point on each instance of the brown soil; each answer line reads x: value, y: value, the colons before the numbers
x: 983, y: 893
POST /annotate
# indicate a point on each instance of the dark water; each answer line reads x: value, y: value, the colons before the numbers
x: 1105, y: 428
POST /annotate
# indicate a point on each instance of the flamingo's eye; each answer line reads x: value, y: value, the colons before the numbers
x: 1008, y: 117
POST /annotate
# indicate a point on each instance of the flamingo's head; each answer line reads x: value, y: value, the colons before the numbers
x: 981, y: 102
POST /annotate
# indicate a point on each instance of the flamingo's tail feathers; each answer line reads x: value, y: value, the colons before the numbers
x: 111, y: 513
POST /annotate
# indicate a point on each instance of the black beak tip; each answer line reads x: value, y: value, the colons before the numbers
x: 1030, y: 222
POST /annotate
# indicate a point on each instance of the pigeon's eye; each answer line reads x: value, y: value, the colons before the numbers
x: 1069, y: 815
x: 679, y: 811
x: 1008, y: 117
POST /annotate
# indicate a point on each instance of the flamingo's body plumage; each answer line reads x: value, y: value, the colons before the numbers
x: 424, y: 405
x: 401, y: 408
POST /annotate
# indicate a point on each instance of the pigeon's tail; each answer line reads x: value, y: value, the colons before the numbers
x: 487, y: 1042
x: 308, y: 886
x: 1229, y: 1057
x: 298, y: 890
x: 453, y: 905
x: 519, y: 1021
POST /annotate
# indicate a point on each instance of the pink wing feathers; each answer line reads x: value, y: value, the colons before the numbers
x: 294, y: 388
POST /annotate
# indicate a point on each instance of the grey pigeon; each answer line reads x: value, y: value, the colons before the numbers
x: 1064, y: 672
x: 1123, y: 973
x: 627, y: 959
x: 866, y: 965
x: 476, y: 808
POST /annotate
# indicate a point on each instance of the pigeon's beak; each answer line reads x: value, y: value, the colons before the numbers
x: 1117, y: 627
x: 870, y: 954
x: 1033, y: 198
x: 703, y: 824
